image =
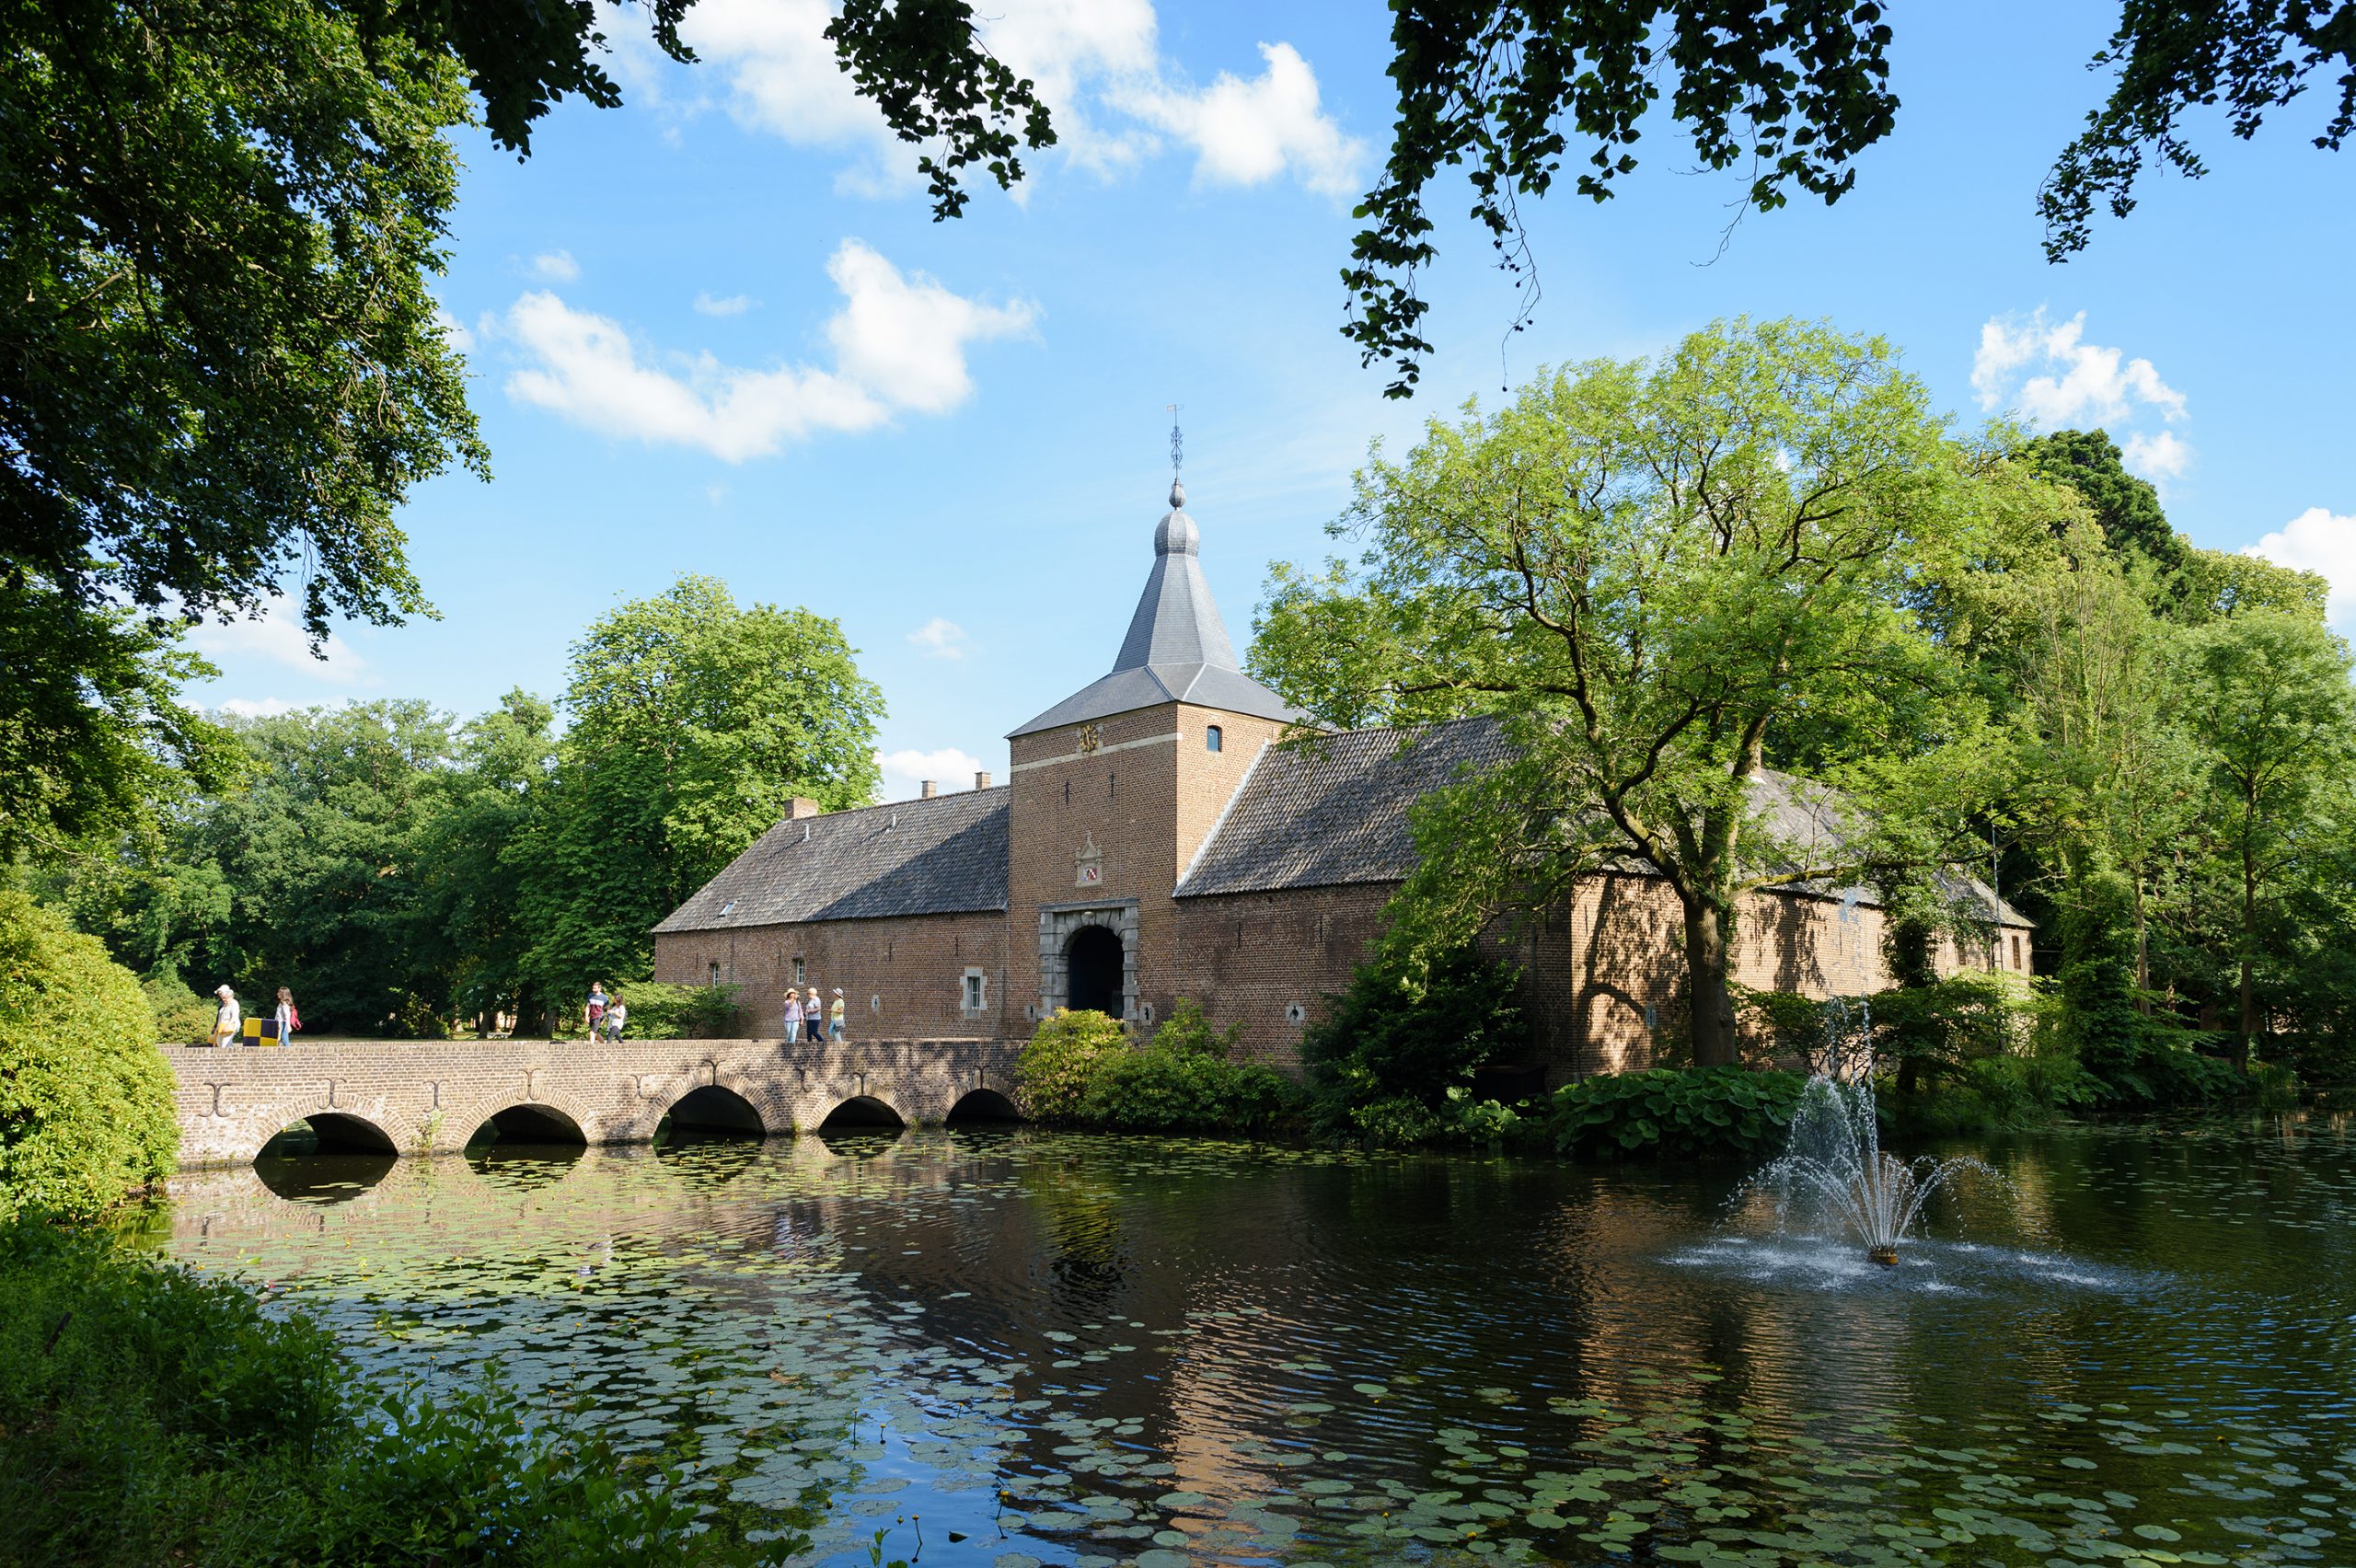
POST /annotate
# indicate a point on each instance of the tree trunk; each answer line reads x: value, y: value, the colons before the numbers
x: 2248, y: 988
x: 2142, y: 951
x: 1710, y: 1003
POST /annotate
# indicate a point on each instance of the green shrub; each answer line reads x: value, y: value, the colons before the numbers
x: 1409, y: 1031
x: 658, y: 1011
x: 1052, y: 1076
x: 182, y: 1018
x: 1687, y: 1112
x: 85, y: 1099
x: 1182, y: 1080
x: 148, y: 1414
x: 1930, y: 1033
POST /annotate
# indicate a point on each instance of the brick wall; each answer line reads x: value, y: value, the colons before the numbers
x: 1146, y: 797
x: 900, y: 976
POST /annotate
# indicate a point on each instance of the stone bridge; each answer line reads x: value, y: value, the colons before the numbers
x: 427, y: 1096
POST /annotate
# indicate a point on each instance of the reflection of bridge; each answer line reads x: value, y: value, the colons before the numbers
x: 421, y: 1097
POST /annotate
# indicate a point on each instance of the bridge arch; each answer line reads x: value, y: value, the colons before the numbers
x: 983, y: 1105
x: 528, y: 1122
x: 712, y: 1109
x: 862, y: 1113
x: 327, y: 1132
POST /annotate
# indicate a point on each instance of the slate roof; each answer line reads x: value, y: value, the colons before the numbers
x: 1177, y: 648
x: 935, y: 856
x: 1334, y: 811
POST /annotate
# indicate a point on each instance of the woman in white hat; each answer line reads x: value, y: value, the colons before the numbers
x: 835, y: 1015
x: 229, y: 1021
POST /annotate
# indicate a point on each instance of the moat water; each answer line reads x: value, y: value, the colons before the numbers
x: 1015, y: 1347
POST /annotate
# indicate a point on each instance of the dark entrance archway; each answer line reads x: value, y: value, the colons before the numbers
x: 1093, y: 971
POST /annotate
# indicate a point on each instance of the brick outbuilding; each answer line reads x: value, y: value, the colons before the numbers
x: 1158, y: 839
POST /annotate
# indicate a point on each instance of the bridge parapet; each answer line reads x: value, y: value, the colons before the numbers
x: 427, y: 1097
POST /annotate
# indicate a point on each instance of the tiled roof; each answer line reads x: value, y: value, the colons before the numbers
x: 1334, y: 808
x: 931, y: 857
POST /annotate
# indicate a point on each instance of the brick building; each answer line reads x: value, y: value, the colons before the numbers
x: 1155, y: 840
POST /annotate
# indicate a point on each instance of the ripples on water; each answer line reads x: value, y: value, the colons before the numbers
x: 1023, y: 1347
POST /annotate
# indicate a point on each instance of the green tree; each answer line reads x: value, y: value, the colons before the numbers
x: 1656, y: 576
x: 471, y: 889
x: 692, y: 724
x: 2267, y: 696
x: 2126, y: 508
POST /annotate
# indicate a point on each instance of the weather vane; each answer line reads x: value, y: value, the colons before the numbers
x: 1177, y: 442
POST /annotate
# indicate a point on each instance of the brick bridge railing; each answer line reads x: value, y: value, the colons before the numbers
x: 425, y: 1096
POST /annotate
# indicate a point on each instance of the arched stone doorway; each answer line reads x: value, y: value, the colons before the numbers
x: 1093, y: 971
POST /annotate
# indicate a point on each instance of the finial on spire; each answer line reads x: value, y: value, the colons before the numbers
x: 1177, y: 460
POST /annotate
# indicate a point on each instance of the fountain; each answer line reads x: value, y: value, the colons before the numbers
x: 1838, y: 1168
x: 1835, y: 1170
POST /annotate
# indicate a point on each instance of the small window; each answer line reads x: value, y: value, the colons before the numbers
x: 1296, y: 1013
x: 977, y: 988
x: 1146, y: 1012
x: 1212, y: 738
x: 2016, y: 950
x: 797, y: 971
x: 875, y: 1004
x: 715, y: 973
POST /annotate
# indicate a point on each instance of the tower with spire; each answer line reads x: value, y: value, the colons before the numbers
x: 1119, y: 786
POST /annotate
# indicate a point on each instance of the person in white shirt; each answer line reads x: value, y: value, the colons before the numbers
x: 792, y: 1015
x: 230, y: 1020
x: 617, y: 1017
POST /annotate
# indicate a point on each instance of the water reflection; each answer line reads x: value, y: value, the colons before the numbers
x: 1086, y: 1349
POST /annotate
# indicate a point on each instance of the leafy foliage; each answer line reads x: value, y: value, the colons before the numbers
x: 1411, y: 1029
x: 1662, y: 578
x: 694, y: 723
x: 1795, y: 91
x: 1062, y: 1058
x: 1687, y: 1113
x: 658, y: 1011
x: 149, y: 1415
x: 2252, y: 55
x: 85, y: 1101
x: 1792, y: 92
x: 1183, y: 1080
x: 182, y: 1018
x: 922, y: 65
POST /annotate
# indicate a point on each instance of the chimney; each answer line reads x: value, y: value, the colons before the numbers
x: 981, y: 780
x: 928, y: 790
x: 799, y: 807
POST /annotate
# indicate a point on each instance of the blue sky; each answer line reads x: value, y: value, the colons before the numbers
x: 715, y: 330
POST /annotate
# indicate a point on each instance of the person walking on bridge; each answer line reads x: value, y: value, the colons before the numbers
x: 813, y: 1018
x: 792, y: 1015
x: 597, y: 1009
x: 230, y: 1020
x: 835, y: 1015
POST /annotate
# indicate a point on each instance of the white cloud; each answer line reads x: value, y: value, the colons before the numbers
x: 555, y: 267
x: 899, y: 342
x: 708, y: 304
x: 1250, y: 132
x: 941, y: 637
x: 278, y: 638
x: 2323, y: 542
x: 2157, y: 457
x: 454, y: 330
x: 254, y: 707
x: 905, y: 771
x: 1097, y: 65
x: 2069, y: 381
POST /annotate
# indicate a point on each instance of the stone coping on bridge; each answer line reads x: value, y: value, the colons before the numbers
x: 430, y: 1096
